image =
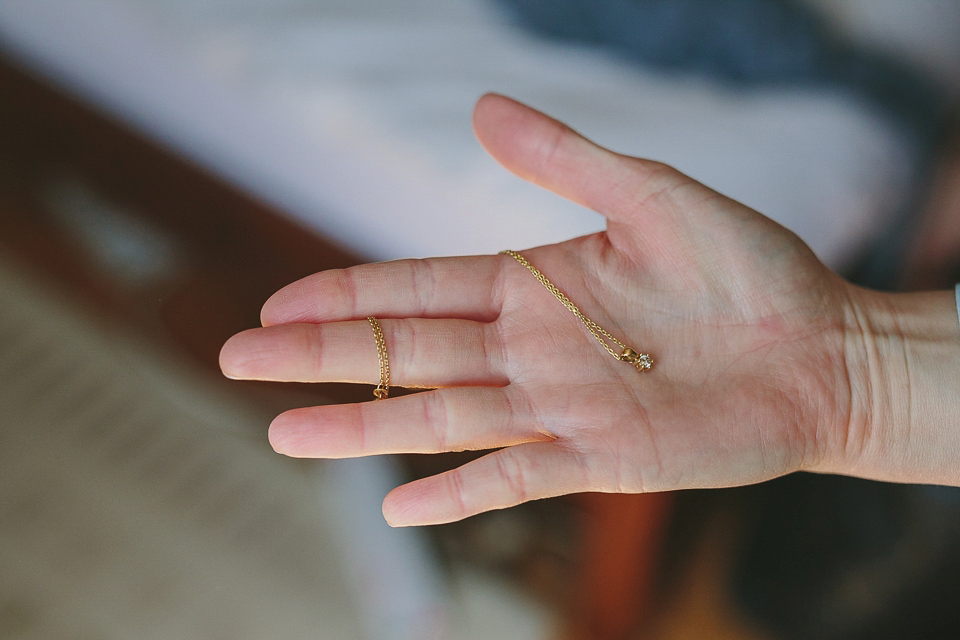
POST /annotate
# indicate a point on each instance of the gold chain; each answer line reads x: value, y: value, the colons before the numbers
x: 384, y: 387
x: 642, y: 361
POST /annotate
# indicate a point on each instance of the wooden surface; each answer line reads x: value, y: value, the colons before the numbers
x: 622, y: 539
x: 233, y: 251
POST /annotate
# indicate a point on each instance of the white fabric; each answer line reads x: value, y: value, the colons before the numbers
x: 354, y: 117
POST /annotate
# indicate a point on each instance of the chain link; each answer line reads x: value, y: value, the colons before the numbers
x: 642, y: 361
x: 383, y: 389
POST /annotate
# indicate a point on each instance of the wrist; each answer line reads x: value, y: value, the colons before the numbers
x: 903, y: 358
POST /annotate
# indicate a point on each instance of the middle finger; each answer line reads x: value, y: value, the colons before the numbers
x: 421, y: 352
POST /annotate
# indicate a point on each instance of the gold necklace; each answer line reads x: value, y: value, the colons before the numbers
x: 383, y: 389
x: 642, y: 361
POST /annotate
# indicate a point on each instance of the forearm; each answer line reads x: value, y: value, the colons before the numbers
x: 903, y: 356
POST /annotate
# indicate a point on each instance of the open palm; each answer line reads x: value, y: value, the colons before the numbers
x: 741, y: 319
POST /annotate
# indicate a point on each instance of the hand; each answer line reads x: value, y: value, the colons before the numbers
x: 748, y: 330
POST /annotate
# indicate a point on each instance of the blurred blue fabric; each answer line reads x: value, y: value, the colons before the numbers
x: 747, y: 42
x: 756, y: 44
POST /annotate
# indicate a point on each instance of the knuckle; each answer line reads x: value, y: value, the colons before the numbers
x: 422, y: 281
x: 436, y: 414
x: 519, y: 410
x: 492, y: 346
x: 551, y: 149
x: 512, y: 474
x: 425, y: 282
x: 312, y: 339
x: 458, y: 491
x: 346, y: 285
x: 363, y: 426
x: 402, y: 349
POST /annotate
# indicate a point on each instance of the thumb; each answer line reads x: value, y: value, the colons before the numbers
x: 550, y: 154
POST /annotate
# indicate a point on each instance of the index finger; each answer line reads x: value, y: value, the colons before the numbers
x: 462, y: 287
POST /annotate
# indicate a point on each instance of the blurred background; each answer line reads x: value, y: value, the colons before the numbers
x: 165, y: 165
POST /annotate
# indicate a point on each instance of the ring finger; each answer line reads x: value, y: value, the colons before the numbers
x: 455, y: 419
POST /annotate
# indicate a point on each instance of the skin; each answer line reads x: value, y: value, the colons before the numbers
x: 765, y: 361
